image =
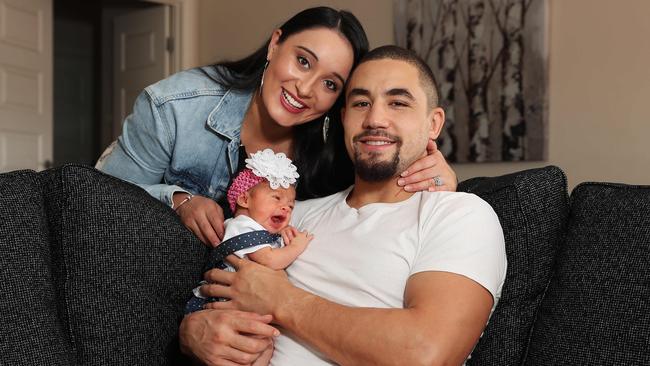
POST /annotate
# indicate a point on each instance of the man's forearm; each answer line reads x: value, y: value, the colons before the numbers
x: 359, y: 336
x: 442, y: 319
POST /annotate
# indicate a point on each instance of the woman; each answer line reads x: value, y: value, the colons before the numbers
x: 285, y: 96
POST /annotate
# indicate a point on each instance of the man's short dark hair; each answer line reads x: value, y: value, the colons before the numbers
x: 427, y: 80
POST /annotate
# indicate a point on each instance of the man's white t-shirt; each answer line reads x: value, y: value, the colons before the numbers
x: 364, y: 257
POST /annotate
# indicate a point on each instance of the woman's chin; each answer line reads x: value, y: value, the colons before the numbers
x: 288, y: 120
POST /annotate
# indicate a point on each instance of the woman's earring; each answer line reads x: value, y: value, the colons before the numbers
x: 326, y: 127
x: 263, y: 72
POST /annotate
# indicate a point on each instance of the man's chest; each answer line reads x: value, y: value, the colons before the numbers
x: 358, y: 260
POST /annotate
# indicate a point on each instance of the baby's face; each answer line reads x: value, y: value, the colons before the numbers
x: 271, y: 207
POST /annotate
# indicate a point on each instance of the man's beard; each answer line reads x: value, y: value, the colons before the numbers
x: 372, y: 169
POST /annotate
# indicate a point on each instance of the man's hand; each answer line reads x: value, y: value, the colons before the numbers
x: 253, y: 287
x: 202, y: 216
x: 227, y: 337
x: 423, y: 174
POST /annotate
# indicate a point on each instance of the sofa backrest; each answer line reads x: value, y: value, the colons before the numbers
x: 121, y: 268
x: 33, y: 331
x: 597, y: 307
x: 532, y: 206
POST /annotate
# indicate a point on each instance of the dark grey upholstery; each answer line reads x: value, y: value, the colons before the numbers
x: 130, y: 267
x: 115, y: 263
x: 597, y: 307
x: 32, y: 331
x: 94, y: 271
x: 532, y: 207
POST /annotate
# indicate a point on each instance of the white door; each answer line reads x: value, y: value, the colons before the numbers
x: 25, y: 84
x: 142, y: 56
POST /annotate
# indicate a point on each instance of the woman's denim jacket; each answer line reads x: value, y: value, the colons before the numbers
x: 183, y: 135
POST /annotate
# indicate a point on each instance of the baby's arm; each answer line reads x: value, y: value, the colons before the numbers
x: 281, y: 258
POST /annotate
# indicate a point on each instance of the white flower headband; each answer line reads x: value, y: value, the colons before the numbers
x: 276, y: 168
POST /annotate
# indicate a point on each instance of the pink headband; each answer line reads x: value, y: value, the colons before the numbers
x: 244, y: 181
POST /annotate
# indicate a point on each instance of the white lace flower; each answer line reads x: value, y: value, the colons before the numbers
x: 276, y: 168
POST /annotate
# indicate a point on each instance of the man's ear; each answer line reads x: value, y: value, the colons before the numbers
x: 437, y: 118
x: 342, y: 114
x: 242, y: 200
x: 273, y: 44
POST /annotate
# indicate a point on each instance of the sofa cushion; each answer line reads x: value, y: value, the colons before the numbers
x: 129, y: 267
x: 33, y: 332
x: 597, y: 307
x: 532, y: 206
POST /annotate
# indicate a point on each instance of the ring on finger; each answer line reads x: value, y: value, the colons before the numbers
x: 437, y: 181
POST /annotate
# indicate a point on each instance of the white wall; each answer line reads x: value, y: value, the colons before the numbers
x: 599, y: 76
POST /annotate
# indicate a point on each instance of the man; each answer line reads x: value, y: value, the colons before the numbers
x: 390, y: 277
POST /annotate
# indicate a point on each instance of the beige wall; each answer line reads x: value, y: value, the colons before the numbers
x: 230, y: 29
x: 599, y: 76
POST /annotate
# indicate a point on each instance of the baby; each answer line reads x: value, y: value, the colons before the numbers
x: 261, y: 197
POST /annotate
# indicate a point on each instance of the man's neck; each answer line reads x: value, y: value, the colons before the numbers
x: 365, y: 192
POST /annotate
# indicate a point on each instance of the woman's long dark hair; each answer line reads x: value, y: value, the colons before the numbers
x: 324, y: 166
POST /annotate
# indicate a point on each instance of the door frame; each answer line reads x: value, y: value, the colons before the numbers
x: 185, y: 31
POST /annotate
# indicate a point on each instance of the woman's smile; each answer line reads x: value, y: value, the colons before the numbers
x: 291, y: 103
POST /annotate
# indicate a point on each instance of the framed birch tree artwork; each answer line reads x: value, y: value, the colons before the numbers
x: 490, y: 60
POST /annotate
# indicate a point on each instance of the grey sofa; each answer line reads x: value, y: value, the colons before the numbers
x: 93, y: 271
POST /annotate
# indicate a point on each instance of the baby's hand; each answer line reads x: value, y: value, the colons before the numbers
x: 301, y: 240
x: 292, y: 236
x: 288, y: 233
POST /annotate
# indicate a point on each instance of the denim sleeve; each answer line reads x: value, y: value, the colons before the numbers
x: 143, y: 152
